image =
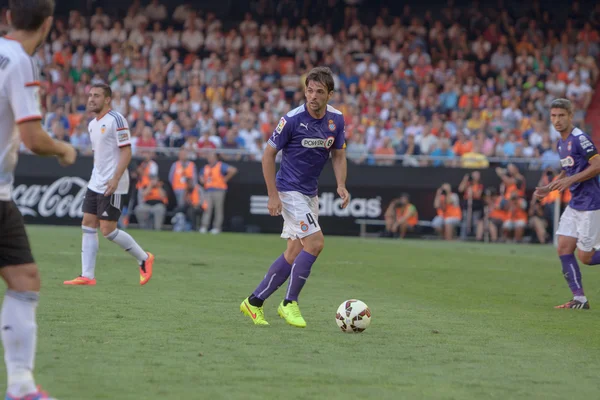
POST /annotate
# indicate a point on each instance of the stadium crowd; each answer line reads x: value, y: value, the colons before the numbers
x: 465, y: 87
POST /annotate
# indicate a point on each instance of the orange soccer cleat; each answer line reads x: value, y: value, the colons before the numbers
x: 146, y: 269
x: 81, y: 281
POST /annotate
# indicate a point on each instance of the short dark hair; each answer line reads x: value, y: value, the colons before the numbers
x: 563, y: 104
x: 105, y: 88
x: 29, y: 15
x: 322, y: 75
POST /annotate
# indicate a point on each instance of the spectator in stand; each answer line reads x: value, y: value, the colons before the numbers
x: 431, y: 77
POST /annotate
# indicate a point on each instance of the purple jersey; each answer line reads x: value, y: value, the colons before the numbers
x: 575, y: 153
x: 306, y: 143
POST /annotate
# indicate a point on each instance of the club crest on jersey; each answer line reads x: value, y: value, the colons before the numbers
x: 103, y: 129
x: 567, y: 162
x: 303, y: 226
x: 331, y: 125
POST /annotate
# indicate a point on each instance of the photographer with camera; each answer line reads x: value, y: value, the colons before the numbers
x: 537, y: 219
x: 471, y: 189
x: 495, y: 216
x: 400, y: 217
x: 449, y: 213
x: 512, y: 181
x: 517, y: 221
x: 548, y: 202
x: 153, y: 205
x: 193, y: 204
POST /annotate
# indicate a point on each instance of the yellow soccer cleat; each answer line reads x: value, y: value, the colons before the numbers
x: 291, y: 314
x: 256, y: 313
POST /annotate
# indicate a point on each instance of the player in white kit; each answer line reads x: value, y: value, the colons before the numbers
x: 111, y: 143
x: 20, y: 118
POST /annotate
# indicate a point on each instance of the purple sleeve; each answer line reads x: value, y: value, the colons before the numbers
x: 340, y: 138
x: 282, y: 134
x: 586, y: 147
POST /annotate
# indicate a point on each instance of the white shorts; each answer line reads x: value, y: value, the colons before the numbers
x: 583, y: 225
x: 300, y: 215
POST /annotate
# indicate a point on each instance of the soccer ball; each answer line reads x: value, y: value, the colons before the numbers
x: 353, y: 316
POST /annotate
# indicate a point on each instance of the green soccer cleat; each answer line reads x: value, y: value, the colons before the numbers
x: 255, y: 313
x: 291, y: 314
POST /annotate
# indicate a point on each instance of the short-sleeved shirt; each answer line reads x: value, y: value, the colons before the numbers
x: 306, y: 143
x: 575, y: 153
x: 19, y: 102
x: 108, y: 133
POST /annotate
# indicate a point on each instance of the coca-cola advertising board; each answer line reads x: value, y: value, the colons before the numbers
x: 54, y: 201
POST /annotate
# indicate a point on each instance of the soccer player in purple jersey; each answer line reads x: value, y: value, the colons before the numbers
x: 307, y: 136
x: 579, y: 226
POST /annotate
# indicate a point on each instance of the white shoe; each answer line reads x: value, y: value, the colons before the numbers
x: 202, y: 230
x: 215, y: 231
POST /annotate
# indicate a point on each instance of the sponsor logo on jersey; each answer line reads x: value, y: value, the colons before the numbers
x: 567, y: 162
x: 63, y: 197
x: 331, y: 125
x: 329, y: 206
x: 280, y: 125
x: 315, y: 143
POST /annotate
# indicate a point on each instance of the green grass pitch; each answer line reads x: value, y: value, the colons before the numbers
x: 450, y: 321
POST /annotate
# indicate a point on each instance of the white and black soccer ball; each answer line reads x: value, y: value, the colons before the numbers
x: 353, y: 316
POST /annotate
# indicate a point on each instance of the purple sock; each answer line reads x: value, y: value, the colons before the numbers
x: 572, y: 274
x: 595, y: 258
x: 300, y: 272
x: 275, y: 277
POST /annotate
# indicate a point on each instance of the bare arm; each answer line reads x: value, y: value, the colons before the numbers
x: 269, y: 169
x: 340, y: 169
x: 340, y: 166
x: 39, y: 142
x: 231, y: 171
x: 124, y: 160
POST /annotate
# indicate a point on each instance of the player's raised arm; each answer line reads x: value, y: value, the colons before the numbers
x: 24, y: 99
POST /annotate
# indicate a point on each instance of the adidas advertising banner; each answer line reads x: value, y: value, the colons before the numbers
x: 49, y: 194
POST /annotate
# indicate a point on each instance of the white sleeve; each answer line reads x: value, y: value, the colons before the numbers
x: 122, y: 131
x: 23, y: 92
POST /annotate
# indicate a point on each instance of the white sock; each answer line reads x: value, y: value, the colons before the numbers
x: 19, y: 337
x: 582, y: 299
x: 129, y: 244
x: 89, y: 249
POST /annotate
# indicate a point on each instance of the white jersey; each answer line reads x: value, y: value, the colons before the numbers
x: 108, y: 133
x: 19, y: 102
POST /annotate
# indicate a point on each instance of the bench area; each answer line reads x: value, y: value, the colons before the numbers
x: 364, y: 223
